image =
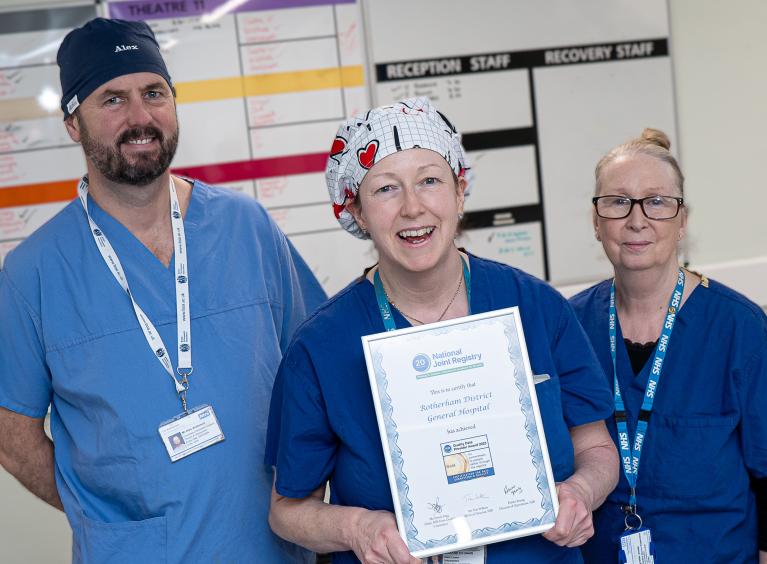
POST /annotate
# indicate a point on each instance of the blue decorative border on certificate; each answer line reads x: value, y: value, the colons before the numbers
x: 536, y: 451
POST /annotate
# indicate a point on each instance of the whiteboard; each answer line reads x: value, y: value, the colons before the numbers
x: 261, y: 89
x: 540, y: 90
x: 37, y: 158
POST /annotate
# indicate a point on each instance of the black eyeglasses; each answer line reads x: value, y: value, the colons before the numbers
x: 653, y: 207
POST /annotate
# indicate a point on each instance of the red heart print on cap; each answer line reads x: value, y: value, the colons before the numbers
x: 367, y: 156
x: 339, y: 146
x: 338, y: 208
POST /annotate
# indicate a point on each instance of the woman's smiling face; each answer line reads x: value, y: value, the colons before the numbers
x: 409, y: 203
x: 636, y: 242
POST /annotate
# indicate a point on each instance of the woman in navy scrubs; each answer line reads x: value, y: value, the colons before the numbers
x: 398, y: 175
x: 688, y: 357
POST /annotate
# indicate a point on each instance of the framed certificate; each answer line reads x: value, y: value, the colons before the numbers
x: 461, y: 432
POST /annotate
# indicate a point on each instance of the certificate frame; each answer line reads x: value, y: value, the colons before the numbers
x: 403, y: 452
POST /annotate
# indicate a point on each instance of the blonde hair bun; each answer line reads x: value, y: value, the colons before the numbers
x: 655, y: 137
x: 653, y: 143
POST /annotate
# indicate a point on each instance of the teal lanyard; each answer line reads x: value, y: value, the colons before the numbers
x: 383, y: 301
x: 630, y: 455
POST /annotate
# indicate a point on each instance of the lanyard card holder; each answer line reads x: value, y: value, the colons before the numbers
x: 637, y: 547
x: 190, y: 432
x: 476, y: 555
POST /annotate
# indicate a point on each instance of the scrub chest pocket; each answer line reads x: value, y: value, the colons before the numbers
x: 691, y: 456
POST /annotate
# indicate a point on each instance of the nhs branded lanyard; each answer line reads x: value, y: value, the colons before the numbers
x: 183, y: 320
x: 630, y: 458
x: 383, y: 301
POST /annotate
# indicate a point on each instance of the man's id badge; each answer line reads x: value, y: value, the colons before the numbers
x: 637, y: 547
x: 187, y: 433
x: 474, y: 555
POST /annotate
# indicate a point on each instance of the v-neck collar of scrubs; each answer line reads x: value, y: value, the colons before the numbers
x: 126, y: 242
x: 403, y: 322
x: 633, y: 386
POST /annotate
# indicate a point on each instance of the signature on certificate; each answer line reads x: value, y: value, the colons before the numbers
x: 473, y: 497
x: 512, y: 490
x: 436, y: 507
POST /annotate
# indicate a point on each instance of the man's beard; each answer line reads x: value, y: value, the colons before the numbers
x: 111, y: 163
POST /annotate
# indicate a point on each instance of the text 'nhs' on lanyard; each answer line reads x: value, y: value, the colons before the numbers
x: 181, y: 375
x: 383, y: 301
x: 630, y: 456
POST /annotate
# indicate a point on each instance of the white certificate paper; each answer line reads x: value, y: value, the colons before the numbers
x: 461, y: 432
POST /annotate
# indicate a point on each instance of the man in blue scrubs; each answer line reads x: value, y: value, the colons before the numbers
x: 97, y: 313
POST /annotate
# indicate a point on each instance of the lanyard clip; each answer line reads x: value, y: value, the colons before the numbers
x: 183, y: 387
x: 631, y: 518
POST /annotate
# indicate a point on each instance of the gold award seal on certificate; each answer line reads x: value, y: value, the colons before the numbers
x: 461, y: 432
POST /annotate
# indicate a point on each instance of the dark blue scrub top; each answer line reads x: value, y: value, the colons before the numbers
x: 707, y: 432
x: 322, y: 424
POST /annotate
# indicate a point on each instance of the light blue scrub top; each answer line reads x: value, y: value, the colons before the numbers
x: 707, y: 431
x: 70, y: 339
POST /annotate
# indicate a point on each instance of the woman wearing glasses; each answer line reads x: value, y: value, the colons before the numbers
x: 687, y: 358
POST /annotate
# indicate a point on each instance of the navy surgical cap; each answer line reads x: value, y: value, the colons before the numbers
x: 101, y: 50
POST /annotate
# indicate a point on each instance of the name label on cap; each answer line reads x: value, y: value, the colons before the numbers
x: 72, y: 104
x: 120, y: 48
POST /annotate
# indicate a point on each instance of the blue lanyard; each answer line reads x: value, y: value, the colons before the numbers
x: 630, y: 458
x: 383, y: 301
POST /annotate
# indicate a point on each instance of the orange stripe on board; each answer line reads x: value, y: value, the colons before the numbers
x: 35, y: 194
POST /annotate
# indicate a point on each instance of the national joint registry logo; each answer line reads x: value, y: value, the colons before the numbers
x: 421, y: 362
x: 448, y: 449
x: 445, y: 362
